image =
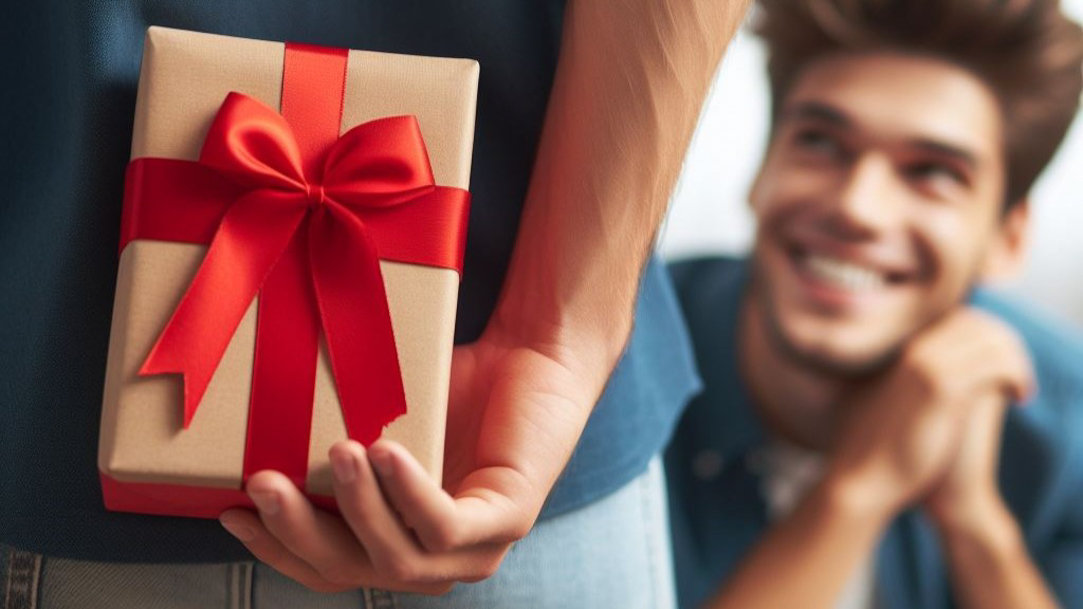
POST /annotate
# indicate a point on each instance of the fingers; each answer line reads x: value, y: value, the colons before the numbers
x: 1000, y: 359
x: 250, y: 530
x: 480, y: 515
x: 310, y: 546
x: 423, y: 506
x: 362, y: 505
x: 970, y: 351
x: 247, y: 527
x: 1006, y: 373
x: 985, y: 429
x: 316, y: 537
x: 384, y: 533
x: 372, y: 543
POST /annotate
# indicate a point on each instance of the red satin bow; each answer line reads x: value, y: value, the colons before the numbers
x: 375, y: 182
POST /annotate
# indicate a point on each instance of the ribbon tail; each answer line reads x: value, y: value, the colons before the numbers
x: 253, y: 234
x: 357, y: 323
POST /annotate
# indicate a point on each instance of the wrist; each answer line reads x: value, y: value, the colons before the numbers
x: 986, y: 525
x: 586, y: 353
x: 858, y: 497
x: 585, y: 328
x: 972, y: 505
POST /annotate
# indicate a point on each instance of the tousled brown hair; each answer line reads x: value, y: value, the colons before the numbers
x: 1027, y: 51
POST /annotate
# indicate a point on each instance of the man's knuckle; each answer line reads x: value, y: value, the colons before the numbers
x: 485, y: 570
x: 973, y: 318
x: 1000, y: 333
x: 445, y: 536
x: 402, y: 569
x: 1014, y: 343
x: 520, y: 528
x: 361, y: 511
x: 487, y: 564
x: 444, y: 588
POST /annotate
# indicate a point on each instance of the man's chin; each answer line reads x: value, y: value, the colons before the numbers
x: 844, y: 366
x: 830, y: 358
x: 820, y: 346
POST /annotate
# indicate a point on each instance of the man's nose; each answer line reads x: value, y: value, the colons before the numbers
x: 866, y: 200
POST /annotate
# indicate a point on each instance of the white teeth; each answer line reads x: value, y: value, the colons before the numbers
x: 845, y: 275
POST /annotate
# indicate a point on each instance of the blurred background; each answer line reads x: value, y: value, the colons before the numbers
x: 709, y: 212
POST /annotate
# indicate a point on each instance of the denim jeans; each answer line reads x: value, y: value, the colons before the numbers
x: 612, y: 553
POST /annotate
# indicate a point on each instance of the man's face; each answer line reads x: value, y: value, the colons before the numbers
x: 877, y: 204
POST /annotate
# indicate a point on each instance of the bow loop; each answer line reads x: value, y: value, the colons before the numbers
x: 379, y: 164
x: 254, y: 146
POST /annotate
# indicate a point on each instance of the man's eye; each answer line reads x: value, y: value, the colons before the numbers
x: 936, y: 171
x: 818, y: 142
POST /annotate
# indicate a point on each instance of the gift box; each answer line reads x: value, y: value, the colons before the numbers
x: 291, y: 244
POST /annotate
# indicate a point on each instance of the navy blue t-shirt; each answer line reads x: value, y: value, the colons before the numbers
x: 71, y: 71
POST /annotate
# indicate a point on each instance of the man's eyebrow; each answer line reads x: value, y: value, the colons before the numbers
x: 819, y: 111
x: 946, y: 149
x: 816, y: 111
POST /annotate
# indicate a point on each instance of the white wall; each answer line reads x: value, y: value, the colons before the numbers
x: 709, y: 213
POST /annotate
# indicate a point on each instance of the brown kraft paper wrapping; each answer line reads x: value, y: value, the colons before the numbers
x: 183, y: 79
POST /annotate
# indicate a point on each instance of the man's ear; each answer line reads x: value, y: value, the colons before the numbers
x: 754, y: 189
x: 1007, y: 252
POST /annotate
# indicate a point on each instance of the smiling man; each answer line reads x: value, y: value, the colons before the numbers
x: 877, y: 428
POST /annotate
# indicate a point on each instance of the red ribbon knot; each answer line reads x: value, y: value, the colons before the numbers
x: 317, y: 196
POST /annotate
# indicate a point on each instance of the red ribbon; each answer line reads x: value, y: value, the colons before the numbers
x: 302, y: 217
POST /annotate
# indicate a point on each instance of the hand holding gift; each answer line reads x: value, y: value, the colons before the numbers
x: 515, y: 402
x: 398, y: 529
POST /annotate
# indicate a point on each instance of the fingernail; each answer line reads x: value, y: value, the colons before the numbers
x: 381, y: 461
x: 237, y: 529
x: 344, y: 466
x: 266, y: 501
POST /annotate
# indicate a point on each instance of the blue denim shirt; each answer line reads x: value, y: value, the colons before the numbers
x: 71, y: 75
x: 717, y: 510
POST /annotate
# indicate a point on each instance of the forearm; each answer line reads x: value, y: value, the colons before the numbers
x: 807, y: 559
x: 990, y: 566
x: 630, y: 82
